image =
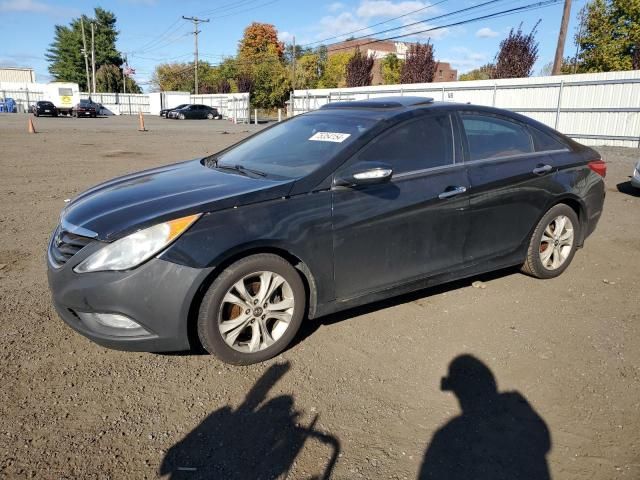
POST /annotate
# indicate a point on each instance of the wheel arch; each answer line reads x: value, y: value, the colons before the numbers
x: 578, y: 206
x: 308, y: 280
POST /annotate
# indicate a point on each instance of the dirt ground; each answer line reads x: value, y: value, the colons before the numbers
x: 358, y: 394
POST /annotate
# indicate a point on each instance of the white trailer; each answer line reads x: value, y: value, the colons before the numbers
x: 64, y: 96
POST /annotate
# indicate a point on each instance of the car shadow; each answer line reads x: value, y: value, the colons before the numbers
x: 628, y: 189
x: 260, y: 439
x: 310, y: 326
x: 497, y: 436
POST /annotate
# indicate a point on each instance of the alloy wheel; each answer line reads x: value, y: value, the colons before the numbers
x: 256, y: 311
x: 556, y: 242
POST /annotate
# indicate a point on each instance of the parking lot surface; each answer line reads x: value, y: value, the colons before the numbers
x: 358, y: 394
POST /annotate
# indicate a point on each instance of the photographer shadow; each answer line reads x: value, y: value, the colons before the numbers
x: 259, y: 440
x: 497, y: 436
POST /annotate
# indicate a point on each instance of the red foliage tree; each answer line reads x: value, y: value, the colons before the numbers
x: 358, y: 70
x: 518, y: 52
x: 419, y: 66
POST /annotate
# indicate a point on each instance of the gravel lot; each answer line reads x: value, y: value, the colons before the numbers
x: 359, y: 391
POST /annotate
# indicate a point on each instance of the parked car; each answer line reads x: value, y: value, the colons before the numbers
x: 194, y: 111
x: 339, y: 207
x: 164, y: 111
x: 635, y: 178
x: 86, y: 108
x: 44, y: 108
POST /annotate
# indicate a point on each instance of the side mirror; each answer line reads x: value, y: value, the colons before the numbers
x: 364, y: 173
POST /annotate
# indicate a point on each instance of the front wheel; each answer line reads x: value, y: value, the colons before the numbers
x: 181, y: 116
x: 553, y: 243
x: 210, y: 116
x: 253, y: 310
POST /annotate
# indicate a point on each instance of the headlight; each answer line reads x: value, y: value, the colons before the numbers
x: 132, y: 250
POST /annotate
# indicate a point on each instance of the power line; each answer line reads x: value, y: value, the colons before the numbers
x: 511, y: 11
x: 438, y: 17
x: 375, y: 24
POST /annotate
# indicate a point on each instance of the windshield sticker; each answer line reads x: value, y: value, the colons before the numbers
x: 329, y: 137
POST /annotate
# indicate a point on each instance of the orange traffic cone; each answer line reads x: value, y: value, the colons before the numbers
x: 31, y: 128
x: 141, y: 123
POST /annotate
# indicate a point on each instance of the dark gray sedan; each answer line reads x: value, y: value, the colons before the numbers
x: 336, y: 208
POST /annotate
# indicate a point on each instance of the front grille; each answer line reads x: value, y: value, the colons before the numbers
x: 65, y: 245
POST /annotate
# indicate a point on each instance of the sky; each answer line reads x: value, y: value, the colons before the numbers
x: 153, y: 32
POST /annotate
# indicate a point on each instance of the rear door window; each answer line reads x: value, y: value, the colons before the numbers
x: 545, y: 142
x: 491, y: 136
x: 414, y: 145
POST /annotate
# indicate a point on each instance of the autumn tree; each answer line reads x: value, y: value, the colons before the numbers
x: 390, y: 69
x: 517, y: 54
x: 260, y: 39
x: 244, y: 83
x: 358, y: 69
x: 419, y: 66
x: 222, y: 86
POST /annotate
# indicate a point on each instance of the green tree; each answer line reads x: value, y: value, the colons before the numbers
x: 390, y: 69
x: 66, y: 62
x: 271, y: 82
x: 308, y: 71
x: 485, y: 72
x: 173, y: 77
x: 334, y: 74
x: 609, y: 37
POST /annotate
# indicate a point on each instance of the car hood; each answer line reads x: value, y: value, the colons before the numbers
x: 123, y: 205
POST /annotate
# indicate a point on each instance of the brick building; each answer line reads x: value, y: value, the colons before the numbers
x: 380, y: 49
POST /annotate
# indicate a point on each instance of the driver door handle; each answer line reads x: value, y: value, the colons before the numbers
x: 452, y: 192
x: 542, y: 169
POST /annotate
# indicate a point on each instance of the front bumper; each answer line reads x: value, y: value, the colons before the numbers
x: 157, y: 295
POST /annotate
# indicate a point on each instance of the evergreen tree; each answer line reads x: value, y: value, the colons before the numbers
x: 66, y: 61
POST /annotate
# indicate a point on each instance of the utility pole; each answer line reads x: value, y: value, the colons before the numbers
x: 293, y: 83
x: 562, y: 35
x: 575, y: 59
x: 124, y: 75
x: 93, y: 57
x: 84, y: 52
x: 195, y: 21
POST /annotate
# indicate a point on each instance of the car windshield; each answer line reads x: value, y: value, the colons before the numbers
x: 294, y: 148
x: 182, y: 105
x: 86, y: 102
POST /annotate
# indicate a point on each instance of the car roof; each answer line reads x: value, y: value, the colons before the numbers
x: 391, y: 106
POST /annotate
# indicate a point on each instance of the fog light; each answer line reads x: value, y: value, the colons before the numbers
x: 112, y: 320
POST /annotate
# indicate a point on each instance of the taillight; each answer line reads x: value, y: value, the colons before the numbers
x: 598, y: 166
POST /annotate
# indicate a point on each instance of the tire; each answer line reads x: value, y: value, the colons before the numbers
x: 210, y: 116
x: 214, y: 310
x: 548, y: 259
x: 181, y: 116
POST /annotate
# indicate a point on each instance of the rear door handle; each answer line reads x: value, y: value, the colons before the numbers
x: 542, y: 169
x: 452, y: 192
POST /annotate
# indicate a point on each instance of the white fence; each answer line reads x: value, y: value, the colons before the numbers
x: 120, y: 103
x: 593, y: 108
x: 23, y: 98
x: 231, y: 105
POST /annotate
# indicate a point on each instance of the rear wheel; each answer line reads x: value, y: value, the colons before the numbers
x: 253, y: 310
x: 553, y: 243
